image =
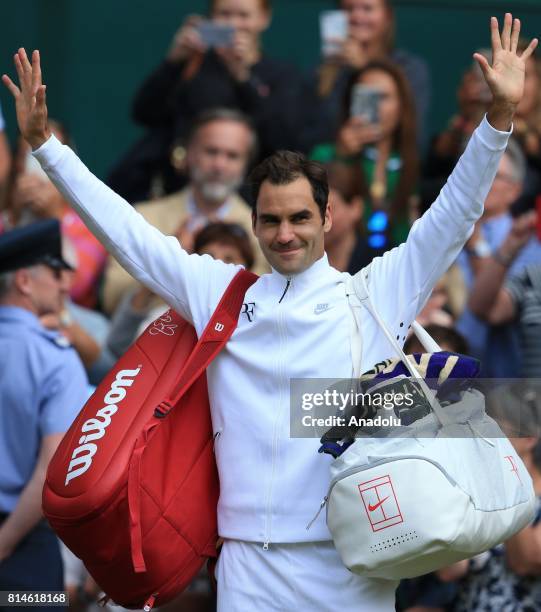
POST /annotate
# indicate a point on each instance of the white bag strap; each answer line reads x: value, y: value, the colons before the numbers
x: 429, y: 344
x: 355, y: 306
x: 361, y: 290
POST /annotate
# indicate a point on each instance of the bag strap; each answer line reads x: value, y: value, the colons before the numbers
x: 355, y: 307
x: 219, y: 329
x: 360, y: 287
x: 429, y: 344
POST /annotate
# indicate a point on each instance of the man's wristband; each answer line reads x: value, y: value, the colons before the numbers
x: 481, y: 249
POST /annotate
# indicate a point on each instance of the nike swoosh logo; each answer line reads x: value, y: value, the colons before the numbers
x: 376, y: 506
x: 322, y: 310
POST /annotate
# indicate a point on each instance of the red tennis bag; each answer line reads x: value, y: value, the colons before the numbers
x: 133, y: 487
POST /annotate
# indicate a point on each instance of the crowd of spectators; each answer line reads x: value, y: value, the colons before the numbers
x: 211, y: 111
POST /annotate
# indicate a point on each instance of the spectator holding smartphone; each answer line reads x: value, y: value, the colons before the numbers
x: 205, y: 69
x: 370, y: 37
x: 380, y: 158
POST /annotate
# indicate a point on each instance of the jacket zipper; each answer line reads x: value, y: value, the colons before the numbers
x: 288, y: 285
x: 283, y: 339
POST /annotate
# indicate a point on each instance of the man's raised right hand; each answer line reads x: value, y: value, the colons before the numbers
x: 29, y: 99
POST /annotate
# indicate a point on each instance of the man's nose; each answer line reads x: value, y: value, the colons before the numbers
x: 220, y: 163
x: 285, y: 233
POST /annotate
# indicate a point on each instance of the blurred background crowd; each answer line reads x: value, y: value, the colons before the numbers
x: 385, y: 95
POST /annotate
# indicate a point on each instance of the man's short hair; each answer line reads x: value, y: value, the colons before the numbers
x: 284, y: 167
x: 225, y: 114
x: 231, y: 234
x: 518, y: 160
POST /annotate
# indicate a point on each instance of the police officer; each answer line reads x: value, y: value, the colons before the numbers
x: 42, y: 388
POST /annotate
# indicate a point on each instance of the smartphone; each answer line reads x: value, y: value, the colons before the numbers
x: 215, y: 34
x: 333, y: 27
x: 365, y: 103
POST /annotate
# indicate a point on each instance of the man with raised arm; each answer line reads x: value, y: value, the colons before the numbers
x: 297, y: 326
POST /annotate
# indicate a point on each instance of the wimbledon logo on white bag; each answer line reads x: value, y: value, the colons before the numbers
x: 94, y: 429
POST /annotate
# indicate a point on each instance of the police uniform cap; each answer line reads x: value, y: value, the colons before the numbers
x: 37, y: 243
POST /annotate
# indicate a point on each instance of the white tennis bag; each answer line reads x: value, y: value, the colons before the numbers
x: 444, y: 489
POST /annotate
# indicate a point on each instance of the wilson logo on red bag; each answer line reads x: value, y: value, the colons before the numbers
x: 94, y: 428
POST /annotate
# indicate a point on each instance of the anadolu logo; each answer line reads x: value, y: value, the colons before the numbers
x: 94, y: 429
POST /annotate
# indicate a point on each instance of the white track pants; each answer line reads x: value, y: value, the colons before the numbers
x: 287, y: 577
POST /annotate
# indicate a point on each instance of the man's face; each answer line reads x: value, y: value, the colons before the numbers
x: 505, y: 189
x: 247, y: 16
x: 289, y: 227
x: 217, y: 158
x: 369, y: 20
x: 46, y: 289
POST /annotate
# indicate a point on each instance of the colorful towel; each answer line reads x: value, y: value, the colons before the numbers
x: 448, y: 374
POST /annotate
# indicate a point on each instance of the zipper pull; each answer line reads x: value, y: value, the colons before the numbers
x: 321, y: 506
x: 288, y: 285
x: 149, y: 604
x: 265, y: 546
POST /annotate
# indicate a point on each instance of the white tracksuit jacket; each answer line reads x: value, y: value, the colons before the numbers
x: 272, y: 485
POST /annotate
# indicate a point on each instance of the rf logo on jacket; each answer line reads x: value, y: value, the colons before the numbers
x: 248, y: 310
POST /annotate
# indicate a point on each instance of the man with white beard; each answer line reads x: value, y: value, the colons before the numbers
x: 217, y: 154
